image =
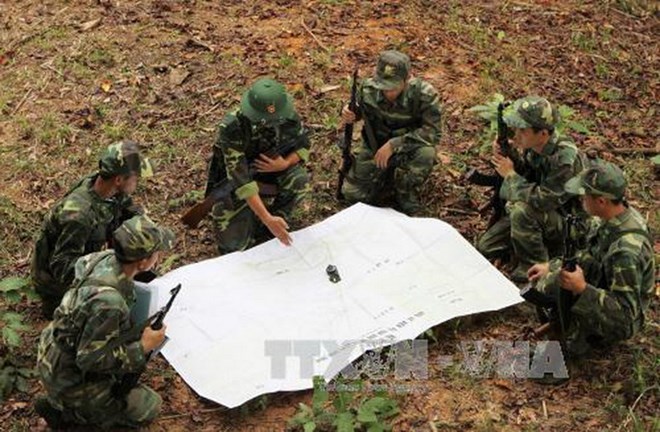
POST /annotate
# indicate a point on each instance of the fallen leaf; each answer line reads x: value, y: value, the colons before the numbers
x: 444, y: 157
x: 106, y: 85
x: 90, y: 24
x: 178, y: 76
x: 329, y: 88
x: 504, y: 384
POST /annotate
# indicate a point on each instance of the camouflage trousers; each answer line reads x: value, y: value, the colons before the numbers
x: 405, y: 174
x: 527, y: 234
x: 140, y: 406
x: 237, y: 227
x: 585, y: 332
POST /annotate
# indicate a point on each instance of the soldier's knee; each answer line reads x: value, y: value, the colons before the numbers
x: 353, y: 192
x: 424, y: 158
x: 298, y: 182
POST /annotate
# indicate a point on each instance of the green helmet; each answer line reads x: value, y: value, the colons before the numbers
x: 123, y: 158
x: 139, y: 237
x: 531, y: 111
x: 267, y: 101
x: 601, y: 179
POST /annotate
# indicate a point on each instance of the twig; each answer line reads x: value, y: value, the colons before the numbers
x: 628, y: 150
x: 47, y: 65
x: 634, y: 405
x: 302, y: 21
x: 545, y: 410
x: 20, y: 104
x: 204, y: 411
x: 460, y: 211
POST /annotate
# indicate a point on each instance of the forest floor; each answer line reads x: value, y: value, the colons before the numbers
x: 75, y: 76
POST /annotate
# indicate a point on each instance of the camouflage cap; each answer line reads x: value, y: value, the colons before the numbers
x: 139, y: 237
x: 267, y: 101
x: 531, y: 111
x: 123, y: 158
x: 601, y: 178
x: 392, y: 70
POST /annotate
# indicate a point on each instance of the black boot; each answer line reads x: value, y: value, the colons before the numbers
x: 52, y: 415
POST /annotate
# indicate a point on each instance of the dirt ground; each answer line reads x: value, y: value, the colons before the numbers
x: 76, y: 75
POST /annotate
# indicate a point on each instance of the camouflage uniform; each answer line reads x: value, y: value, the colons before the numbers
x: 536, y: 200
x: 267, y: 123
x: 84, y: 352
x: 619, y: 268
x: 81, y: 223
x: 411, y: 124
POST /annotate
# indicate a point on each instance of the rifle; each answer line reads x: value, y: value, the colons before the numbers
x: 494, y: 181
x: 224, y: 189
x: 345, y: 143
x: 130, y: 380
x: 557, y: 311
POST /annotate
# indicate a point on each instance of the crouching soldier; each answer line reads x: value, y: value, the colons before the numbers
x: 85, y: 353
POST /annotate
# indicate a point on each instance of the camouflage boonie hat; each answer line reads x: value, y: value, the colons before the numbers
x: 392, y: 70
x: 531, y: 111
x: 123, y: 158
x: 602, y: 179
x: 266, y: 101
x: 139, y: 237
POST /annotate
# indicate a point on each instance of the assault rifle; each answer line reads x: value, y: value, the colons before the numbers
x: 345, y: 143
x: 553, y: 311
x: 494, y: 181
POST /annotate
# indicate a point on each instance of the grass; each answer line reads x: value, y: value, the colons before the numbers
x: 85, y: 58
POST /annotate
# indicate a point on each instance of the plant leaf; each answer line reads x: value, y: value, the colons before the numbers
x: 11, y: 337
x: 345, y: 422
x: 13, y: 283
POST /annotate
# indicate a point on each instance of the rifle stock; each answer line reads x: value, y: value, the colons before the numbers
x: 198, y: 212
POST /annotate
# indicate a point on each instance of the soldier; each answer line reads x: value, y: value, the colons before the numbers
x: 401, y: 129
x: 535, y: 198
x: 262, y: 141
x: 615, y: 277
x: 82, y: 222
x: 91, y: 343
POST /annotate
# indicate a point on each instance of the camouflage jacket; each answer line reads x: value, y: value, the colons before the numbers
x: 240, y: 142
x: 620, y: 271
x: 80, y: 223
x: 542, y: 185
x: 412, y: 121
x: 73, y: 361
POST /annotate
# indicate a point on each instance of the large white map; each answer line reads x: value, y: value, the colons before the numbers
x: 399, y: 277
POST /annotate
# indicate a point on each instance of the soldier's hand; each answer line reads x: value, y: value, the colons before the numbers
x: 503, y: 165
x: 264, y: 164
x: 347, y: 116
x: 537, y: 271
x: 383, y: 155
x: 151, y: 338
x: 278, y: 227
x: 573, y: 281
